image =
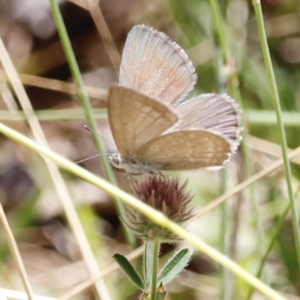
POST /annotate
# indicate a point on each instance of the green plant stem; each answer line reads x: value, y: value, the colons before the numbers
x: 277, y: 106
x: 271, y: 245
x: 53, y: 115
x: 235, y: 93
x: 253, y: 117
x: 155, y: 255
x: 266, y: 117
x: 225, y: 288
x: 225, y: 223
x: 156, y: 216
x: 219, y: 24
x: 82, y: 94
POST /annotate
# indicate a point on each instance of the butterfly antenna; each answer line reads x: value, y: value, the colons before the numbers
x: 91, y: 157
x: 102, y: 137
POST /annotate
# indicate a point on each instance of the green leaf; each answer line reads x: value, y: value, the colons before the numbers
x: 174, y: 266
x: 129, y: 270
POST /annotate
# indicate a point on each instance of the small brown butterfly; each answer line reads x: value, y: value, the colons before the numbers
x: 153, y: 127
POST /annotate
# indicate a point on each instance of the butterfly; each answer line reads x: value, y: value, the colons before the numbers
x: 153, y: 126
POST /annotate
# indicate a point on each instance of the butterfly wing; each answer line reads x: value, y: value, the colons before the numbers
x: 218, y: 113
x: 155, y: 66
x: 185, y: 150
x: 135, y: 119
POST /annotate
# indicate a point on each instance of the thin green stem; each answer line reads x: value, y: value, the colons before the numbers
x: 277, y: 106
x: 219, y: 24
x: 156, y: 247
x: 233, y: 83
x: 252, y: 193
x: 253, y: 117
x: 225, y: 223
x: 82, y: 94
x: 225, y: 288
x: 266, y: 117
x: 271, y: 245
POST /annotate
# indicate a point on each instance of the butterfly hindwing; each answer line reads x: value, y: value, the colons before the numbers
x: 185, y: 150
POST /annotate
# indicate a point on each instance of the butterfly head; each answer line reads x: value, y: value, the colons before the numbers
x: 130, y: 166
x: 115, y: 159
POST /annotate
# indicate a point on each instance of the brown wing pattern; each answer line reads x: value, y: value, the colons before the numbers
x: 185, y: 150
x: 155, y: 66
x: 135, y: 118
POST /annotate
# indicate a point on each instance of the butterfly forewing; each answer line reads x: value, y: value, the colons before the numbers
x: 135, y: 119
x: 155, y: 66
x: 218, y: 113
x: 185, y: 150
